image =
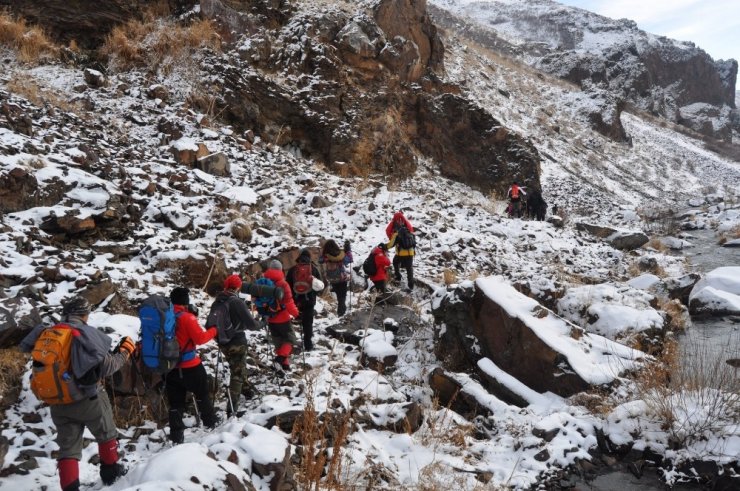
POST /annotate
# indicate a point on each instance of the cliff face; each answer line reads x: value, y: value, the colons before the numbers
x: 672, y: 79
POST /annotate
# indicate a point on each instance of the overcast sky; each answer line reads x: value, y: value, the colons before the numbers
x: 713, y: 25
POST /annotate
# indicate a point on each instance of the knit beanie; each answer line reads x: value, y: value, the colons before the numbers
x: 180, y: 296
x: 276, y: 264
x: 233, y: 282
x: 77, y: 306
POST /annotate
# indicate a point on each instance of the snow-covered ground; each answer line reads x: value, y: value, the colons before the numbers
x: 460, y: 230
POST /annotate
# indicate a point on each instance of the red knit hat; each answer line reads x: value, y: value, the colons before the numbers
x: 233, y: 282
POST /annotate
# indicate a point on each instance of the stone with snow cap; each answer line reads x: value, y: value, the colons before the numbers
x: 490, y: 319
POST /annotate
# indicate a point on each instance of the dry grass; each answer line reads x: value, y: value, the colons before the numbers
x: 25, y: 86
x: 733, y: 233
x: 449, y: 277
x: 30, y: 42
x: 157, y: 44
x: 657, y: 244
x: 12, y: 367
x: 690, y: 392
x: 321, y: 439
x: 677, y: 316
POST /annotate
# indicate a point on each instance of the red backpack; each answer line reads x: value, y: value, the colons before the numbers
x: 514, y: 192
x: 303, y: 279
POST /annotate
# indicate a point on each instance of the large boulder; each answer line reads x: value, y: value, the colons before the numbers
x: 17, y: 317
x: 617, y: 238
x: 490, y: 319
x: 718, y: 293
x: 195, y: 269
x: 19, y: 191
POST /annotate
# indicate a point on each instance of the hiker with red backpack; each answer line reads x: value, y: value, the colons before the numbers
x: 401, y: 235
x: 69, y: 361
x: 189, y: 375
x: 305, y: 281
x: 231, y: 317
x: 281, y: 331
x: 515, y: 194
x: 376, y: 266
x: 336, y: 263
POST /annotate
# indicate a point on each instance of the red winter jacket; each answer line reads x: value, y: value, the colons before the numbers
x: 399, y: 219
x: 381, y: 263
x: 189, y: 335
x: 290, y: 309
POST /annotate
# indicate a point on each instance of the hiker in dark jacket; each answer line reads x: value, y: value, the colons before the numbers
x: 235, y: 349
x: 305, y: 300
x: 536, y: 205
x: 91, y: 362
x: 281, y: 332
x: 401, y: 230
x: 336, y: 263
x: 189, y: 375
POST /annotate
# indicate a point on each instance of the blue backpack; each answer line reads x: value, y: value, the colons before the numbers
x: 267, y: 306
x: 160, y: 350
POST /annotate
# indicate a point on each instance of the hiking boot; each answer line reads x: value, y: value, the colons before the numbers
x: 177, y: 436
x: 110, y: 472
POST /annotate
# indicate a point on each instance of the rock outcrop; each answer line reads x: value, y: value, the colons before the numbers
x: 490, y: 319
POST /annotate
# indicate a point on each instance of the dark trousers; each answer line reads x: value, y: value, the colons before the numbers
x: 379, y: 286
x: 306, y: 309
x: 406, y: 262
x: 341, y: 291
x: 179, y: 382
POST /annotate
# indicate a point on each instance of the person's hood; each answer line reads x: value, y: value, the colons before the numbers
x: 377, y: 250
x: 335, y: 257
x: 398, y: 217
x: 274, y: 275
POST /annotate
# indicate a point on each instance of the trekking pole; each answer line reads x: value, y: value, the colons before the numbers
x: 197, y: 412
x: 218, y: 372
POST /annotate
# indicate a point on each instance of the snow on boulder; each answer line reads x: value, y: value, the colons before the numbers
x: 718, y: 293
x: 378, y: 352
x: 187, y: 151
x: 644, y: 281
x: 181, y: 467
x: 729, y: 220
x: 680, y: 287
x: 490, y: 319
x: 617, y: 238
x: 614, y: 311
x: 216, y: 164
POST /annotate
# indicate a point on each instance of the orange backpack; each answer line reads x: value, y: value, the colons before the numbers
x: 52, y: 380
x: 514, y: 192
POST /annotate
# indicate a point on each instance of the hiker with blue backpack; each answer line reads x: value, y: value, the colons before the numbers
x: 401, y: 235
x: 305, y: 282
x: 279, y: 314
x: 77, y: 399
x: 231, y: 317
x: 189, y: 375
x: 336, y: 263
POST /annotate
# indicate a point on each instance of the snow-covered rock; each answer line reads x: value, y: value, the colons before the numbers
x: 717, y: 293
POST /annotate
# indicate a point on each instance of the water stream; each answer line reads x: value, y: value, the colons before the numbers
x: 710, y: 337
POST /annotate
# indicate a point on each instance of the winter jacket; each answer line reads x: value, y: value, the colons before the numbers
x: 398, y: 219
x: 381, y: 263
x: 515, y: 189
x: 239, y: 315
x: 290, y: 310
x: 90, y: 358
x: 189, y: 335
x: 399, y: 250
x: 341, y: 261
x: 310, y: 297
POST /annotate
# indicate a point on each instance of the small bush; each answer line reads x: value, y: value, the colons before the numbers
x: 30, y: 42
x: 449, y: 277
x: 12, y: 367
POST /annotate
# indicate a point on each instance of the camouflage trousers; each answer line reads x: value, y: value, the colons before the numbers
x: 236, y: 357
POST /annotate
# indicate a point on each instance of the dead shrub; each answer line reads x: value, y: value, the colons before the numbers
x: 677, y: 316
x: 157, y: 44
x: 30, y: 42
x: 449, y: 277
x: 25, y: 86
x: 241, y: 231
x: 691, y: 392
x: 657, y: 244
x: 12, y: 367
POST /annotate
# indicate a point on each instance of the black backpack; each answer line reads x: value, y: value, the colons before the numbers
x: 220, y: 318
x: 405, y: 238
x: 369, y: 266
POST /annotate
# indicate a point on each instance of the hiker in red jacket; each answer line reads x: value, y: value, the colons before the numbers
x: 382, y: 263
x: 189, y: 375
x: 281, y: 331
x: 515, y: 194
x: 397, y: 221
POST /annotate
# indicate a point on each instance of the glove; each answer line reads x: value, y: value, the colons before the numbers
x: 193, y: 309
x: 126, y: 346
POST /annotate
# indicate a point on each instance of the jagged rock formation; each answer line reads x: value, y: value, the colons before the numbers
x: 490, y: 319
x: 612, y: 56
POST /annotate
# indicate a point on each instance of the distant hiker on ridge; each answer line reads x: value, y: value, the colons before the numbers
x: 82, y: 402
x: 189, y: 375
x: 401, y: 235
x: 515, y: 194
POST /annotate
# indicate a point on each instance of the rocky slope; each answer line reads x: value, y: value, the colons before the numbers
x: 604, y: 56
x: 120, y: 184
